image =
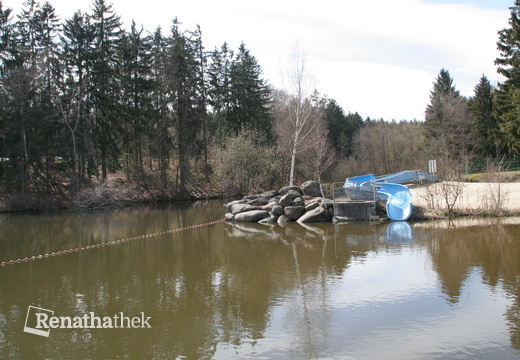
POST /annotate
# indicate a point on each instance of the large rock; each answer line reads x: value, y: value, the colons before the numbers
x: 312, y: 188
x: 269, y: 194
x: 269, y: 207
x: 251, y: 197
x: 312, y: 206
x: 252, y: 216
x: 277, y: 210
x: 319, y: 214
x: 269, y: 220
x: 284, y: 220
x: 328, y: 202
x: 239, y: 208
x: 298, y: 201
x: 287, y: 199
x: 294, y: 212
x: 229, y: 217
x: 258, y: 201
x: 276, y: 198
x: 286, y: 189
x: 230, y: 204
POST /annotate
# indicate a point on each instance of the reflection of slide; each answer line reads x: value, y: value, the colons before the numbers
x: 399, y: 232
x: 399, y: 201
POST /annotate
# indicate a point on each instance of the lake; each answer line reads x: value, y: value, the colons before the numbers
x: 397, y: 290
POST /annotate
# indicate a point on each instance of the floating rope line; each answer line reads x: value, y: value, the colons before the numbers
x: 108, y: 243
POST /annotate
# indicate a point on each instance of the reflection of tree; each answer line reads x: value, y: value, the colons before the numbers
x: 217, y: 285
x: 309, y: 316
x: 201, y: 287
x: 494, y: 249
x: 513, y: 320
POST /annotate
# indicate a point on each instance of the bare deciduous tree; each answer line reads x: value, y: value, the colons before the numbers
x: 498, y: 195
x: 383, y: 147
x: 320, y: 155
x: 300, y: 117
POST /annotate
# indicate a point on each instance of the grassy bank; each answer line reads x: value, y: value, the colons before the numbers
x: 506, y: 176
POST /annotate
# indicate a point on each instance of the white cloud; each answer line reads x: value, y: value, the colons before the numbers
x: 377, y: 90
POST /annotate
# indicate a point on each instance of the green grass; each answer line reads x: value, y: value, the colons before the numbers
x: 506, y: 176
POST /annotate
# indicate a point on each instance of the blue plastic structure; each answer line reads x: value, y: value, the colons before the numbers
x: 398, y: 201
x: 407, y: 176
x: 363, y: 180
x: 389, y: 188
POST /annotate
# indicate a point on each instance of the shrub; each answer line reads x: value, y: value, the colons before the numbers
x: 245, y: 163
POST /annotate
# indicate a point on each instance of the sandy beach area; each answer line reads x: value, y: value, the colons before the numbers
x: 488, y: 198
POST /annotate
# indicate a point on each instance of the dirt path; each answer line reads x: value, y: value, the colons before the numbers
x: 473, y: 197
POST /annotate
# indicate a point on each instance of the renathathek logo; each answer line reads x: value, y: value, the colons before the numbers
x: 31, y: 321
x: 40, y: 321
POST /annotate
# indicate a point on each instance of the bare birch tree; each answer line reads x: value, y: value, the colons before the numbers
x: 301, y: 117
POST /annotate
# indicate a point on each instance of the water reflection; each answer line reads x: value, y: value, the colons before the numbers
x: 487, y: 247
x: 361, y: 290
x: 399, y: 232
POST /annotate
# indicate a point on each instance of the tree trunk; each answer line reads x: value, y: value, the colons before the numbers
x: 23, y: 153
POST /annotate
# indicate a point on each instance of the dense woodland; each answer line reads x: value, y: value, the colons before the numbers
x: 86, y: 98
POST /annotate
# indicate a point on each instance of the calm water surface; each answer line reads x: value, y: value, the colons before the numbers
x: 434, y: 290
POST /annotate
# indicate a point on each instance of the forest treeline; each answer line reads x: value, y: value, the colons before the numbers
x: 85, y: 97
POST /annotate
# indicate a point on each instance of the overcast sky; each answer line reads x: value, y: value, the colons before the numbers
x: 378, y: 57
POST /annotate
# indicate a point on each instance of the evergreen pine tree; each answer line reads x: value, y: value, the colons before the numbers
x: 219, y: 88
x: 448, y: 122
x: 481, y: 106
x: 136, y: 85
x: 250, y: 96
x: 106, y: 86
x: 77, y: 55
x: 49, y: 70
x: 185, y: 89
x: 161, y: 137
x: 443, y: 89
x: 6, y: 30
x: 507, y: 97
x: 336, y: 119
x: 30, y: 80
x: 341, y: 128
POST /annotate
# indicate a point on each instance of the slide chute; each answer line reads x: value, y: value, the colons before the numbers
x: 398, y: 198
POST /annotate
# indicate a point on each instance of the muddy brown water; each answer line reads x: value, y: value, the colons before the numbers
x: 431, y: 290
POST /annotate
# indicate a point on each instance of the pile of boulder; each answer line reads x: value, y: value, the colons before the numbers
x: 306, y: 203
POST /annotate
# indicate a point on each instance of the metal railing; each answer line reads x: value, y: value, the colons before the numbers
x: 354, y: 200
x: 354, y: 192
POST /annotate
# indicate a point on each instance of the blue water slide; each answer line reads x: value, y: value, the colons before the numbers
x: 360, y: 180
x: 402, y: 177
x: 398, y: 200
x: 407, y: 176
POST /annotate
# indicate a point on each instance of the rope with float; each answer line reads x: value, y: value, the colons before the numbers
x: 108, y: 243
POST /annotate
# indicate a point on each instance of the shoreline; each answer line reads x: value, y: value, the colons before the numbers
x: 94, y: 199
x: 461, y: 199
x: 430, y: 201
